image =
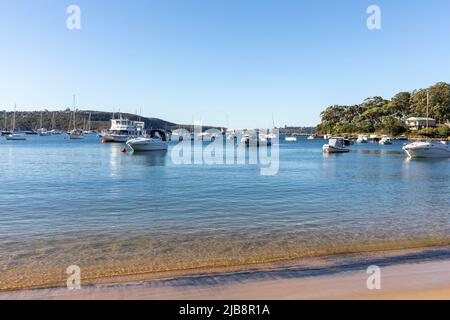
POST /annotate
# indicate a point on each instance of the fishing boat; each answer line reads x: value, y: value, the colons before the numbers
x: 335, y: 145
x: 15, y: 136
x: 157, y: 140
x: 427, y: 149
x: 123, y: 130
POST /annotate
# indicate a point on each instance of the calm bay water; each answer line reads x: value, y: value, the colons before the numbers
x: 85, y: 203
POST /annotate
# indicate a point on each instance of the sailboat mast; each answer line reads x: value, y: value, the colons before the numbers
x: 74, y: 114
x: 14, y: 119
x: 428, y: 103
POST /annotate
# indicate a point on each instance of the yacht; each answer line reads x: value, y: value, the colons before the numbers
x: 43, y: 132
x: 427, y: 149
x: 123, y: 130
x: 335, y: 145
x: 12, y: 135
x: 75, y: 133
x: 156, y: 141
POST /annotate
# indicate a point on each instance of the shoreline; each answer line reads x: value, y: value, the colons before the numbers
x: 413, y: 273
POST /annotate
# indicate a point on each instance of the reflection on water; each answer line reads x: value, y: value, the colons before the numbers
x: 152, y: 158
x: 87, y: 203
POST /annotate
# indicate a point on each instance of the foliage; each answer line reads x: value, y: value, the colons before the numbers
x: 377, y: 114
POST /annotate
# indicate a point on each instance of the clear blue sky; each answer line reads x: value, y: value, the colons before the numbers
x: 214, y: 60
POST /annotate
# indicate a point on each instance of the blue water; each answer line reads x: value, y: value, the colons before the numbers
x: 68, y: 202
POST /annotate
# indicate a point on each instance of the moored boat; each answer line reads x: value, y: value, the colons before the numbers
x: 427, y: 149
x: 15, y: 136
x: 362, y: 139
x: 155, y: 142
x: 335, y: 145
x: 290, y: 138
x: 385, y: 141
x: 123, y: 130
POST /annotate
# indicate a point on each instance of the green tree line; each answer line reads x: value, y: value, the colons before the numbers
x: 376, y: 114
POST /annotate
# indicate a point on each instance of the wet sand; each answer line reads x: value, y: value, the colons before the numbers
x: 412, y: 274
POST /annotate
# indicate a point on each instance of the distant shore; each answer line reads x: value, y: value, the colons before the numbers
x: 405, y: 274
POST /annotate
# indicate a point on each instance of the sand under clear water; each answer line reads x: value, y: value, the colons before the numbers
x: 79, y: 203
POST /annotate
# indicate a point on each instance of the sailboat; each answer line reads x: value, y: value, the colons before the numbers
x: 15, y: 136
x: 43, y: 131
x: 89, y: 131
x: 427, y: 149
x: 75, y: 134
x: 54, y: 131
x: 5, y: 130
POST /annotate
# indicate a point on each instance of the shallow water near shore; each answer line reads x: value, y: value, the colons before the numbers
x: 85, y: 203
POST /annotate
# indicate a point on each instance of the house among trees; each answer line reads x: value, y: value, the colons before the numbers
x: 419, y: 123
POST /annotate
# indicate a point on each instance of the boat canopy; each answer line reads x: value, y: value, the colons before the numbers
x: 158, y: 133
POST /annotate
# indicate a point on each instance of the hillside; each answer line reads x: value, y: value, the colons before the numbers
x: 63, y: 120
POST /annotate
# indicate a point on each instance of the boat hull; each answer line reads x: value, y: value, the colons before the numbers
x: 331, y: 149
x: 116, y: 138
x: 75, y: 137
x: 16, y: 138
x: 427, y: 152
x: 153, y: 145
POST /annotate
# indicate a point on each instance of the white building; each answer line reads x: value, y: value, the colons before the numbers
x: 418, y: 123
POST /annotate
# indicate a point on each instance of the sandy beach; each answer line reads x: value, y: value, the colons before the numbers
x: 412, y: 274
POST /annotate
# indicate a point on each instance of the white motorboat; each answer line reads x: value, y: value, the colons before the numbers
x: 123, y: 130
x: 385, y: 141
x: 290, y: 138
x: 362, y: 139
x: 427, y: 149
x: 156, y: 141
x: 16, y: 137
x: 335, y: 145
x: 55, y: 132
x: 311, y: 137
x: 76, y: 134
x: 43, y: 132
